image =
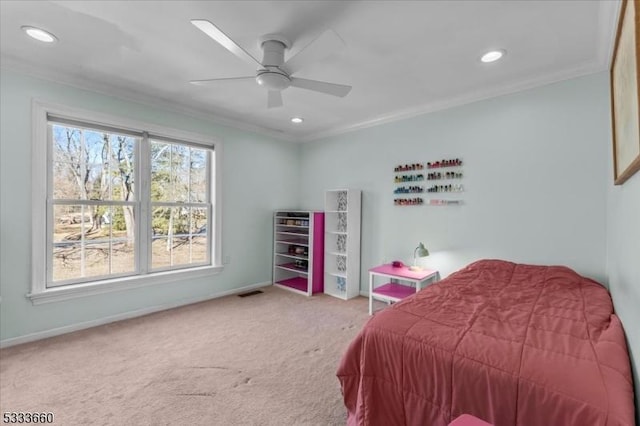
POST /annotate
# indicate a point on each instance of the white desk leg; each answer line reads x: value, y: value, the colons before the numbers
x: 370, y: 294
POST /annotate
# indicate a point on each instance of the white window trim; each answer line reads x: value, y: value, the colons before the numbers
x: 39, y: 291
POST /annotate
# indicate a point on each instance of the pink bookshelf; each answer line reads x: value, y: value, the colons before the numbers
x: 296, y: 283
x: 298, y: 251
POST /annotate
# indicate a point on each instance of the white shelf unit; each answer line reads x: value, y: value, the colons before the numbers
x: 298, y: 246
x: 342, y: 243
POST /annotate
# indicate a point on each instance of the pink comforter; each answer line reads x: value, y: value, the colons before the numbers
x: 511, y: 344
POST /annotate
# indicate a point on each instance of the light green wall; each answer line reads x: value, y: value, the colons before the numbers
x: 623, y: 262
x: 534, y: 173
x: 259, y: 176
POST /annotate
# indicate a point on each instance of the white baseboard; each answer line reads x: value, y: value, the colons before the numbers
x: 123, y: 316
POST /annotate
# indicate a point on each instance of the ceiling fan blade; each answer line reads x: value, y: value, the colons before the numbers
x: 323, y: 46
x: 211, y: 81
x: 340, y: 90
x: 274, y: 99
x: 217, y: 80
x: 215, y: 33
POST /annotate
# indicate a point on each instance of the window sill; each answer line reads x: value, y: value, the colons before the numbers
x: 108, y: 286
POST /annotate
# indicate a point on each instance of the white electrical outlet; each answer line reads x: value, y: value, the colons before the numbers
x: 226, y: 260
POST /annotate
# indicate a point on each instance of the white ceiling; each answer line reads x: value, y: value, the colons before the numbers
x: 402, y: 58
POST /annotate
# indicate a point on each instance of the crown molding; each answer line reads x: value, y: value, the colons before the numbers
x: 601, y: 64
x: 607, y: 29
x: 468, y: 98
x: 12, y: 64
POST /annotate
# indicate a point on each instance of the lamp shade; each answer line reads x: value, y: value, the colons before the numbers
x: 421, y: 251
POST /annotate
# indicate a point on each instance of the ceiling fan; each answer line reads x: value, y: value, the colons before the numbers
x: 273, y: 72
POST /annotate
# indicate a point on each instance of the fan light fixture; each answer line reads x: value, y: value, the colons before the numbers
x: 273, y: 80
x: 492, y: 56
x: 297, y: 120
x: 39, y: 34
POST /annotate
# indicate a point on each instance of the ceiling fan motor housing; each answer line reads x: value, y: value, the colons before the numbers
x: 273, y: 46
x: 271, y: 76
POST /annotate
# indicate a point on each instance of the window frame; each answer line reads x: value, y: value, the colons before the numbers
x: 42, y: 216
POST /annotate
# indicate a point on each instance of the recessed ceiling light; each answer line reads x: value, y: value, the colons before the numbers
x: 492, y: 55
x: 297, y: 120
x: 38, y: 34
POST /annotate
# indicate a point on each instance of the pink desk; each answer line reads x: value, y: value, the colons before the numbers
x: 401, y: 285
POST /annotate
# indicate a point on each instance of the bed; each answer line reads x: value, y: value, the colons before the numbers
x: 511, y: 344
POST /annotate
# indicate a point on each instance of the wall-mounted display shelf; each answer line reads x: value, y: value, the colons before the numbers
x: 445, y: 175
x: 408, y: 167
x: 452, y: 173
x: 408, y: 190
x: 409, y: 178
x: 448, y: 173
x: 454, y: 162
x: 418, y: 201
x: 342, y: 243
x: 443, y: 202
x: 446, y: 188
x: 298, y: 251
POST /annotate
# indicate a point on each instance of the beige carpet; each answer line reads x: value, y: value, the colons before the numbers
x: 268, y: 359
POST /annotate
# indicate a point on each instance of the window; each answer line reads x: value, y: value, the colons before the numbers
x: 94, y: 204
x: 180, y: 209
x: 119, y: 203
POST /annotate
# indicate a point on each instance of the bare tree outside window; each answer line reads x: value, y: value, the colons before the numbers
x: 96, y: 199
x: 93, y: 203
x: 179, y: 204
